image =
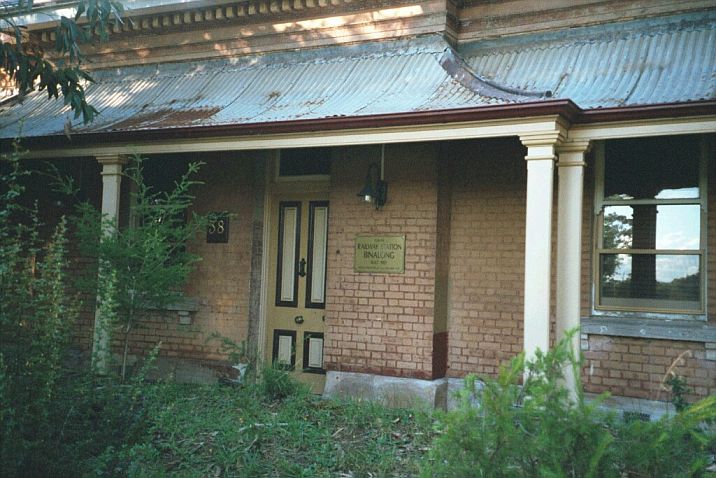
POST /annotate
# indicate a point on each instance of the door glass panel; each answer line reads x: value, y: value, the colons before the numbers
x: 289, y: 229
x: 673, y: 226
x: 664, y: 281
x: 315, y: 352
x: 318, y: 230
x: 284, y: 349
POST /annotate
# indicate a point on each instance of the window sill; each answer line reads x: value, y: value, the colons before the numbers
x: 184, y: 308
x: 675, y: 329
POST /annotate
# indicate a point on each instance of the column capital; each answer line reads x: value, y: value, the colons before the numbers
x: 542, y: 144
x: 575, y: 146
x: 571, y: 153
x: 111, y: 159
x: 541, y: 138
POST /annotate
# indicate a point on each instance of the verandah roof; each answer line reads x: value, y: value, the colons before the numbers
x: 647, y: 62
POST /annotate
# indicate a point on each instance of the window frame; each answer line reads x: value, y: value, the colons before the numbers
x: 278, y: 178
x: 598, y: 309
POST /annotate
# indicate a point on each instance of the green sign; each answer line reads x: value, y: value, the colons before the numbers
x: 381, y: 254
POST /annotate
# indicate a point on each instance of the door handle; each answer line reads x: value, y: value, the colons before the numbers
x: 298, y: 319
x: 302, y: 268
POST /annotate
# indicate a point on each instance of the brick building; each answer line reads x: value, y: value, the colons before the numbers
x: 549, y: 165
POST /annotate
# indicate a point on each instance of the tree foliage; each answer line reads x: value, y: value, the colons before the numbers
x: 31, y: 68
x: 143, y: 266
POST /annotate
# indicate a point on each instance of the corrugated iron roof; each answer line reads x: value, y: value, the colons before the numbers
x: 636, y: 63
x: 341, y: 81
x: 669, y: 60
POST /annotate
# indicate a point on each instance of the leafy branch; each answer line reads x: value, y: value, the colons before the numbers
x: 24, y: 61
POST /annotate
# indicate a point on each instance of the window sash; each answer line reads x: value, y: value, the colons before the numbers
x: 647, y: 305
x: 662, y: 294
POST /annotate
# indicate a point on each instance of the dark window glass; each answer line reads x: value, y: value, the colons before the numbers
x: 651, y: 281
x: 305, y: 162
x: 651, y: 226
x: 652, y: 168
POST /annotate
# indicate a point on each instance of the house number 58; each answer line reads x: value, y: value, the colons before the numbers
x: 217, y: 227
x: 217, y: 231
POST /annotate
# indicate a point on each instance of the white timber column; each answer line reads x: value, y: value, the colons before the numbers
x: 111, y: 182
x: 569, y: 245
x: 541, y: 156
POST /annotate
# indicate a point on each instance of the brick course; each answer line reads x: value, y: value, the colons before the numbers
x: 636, y: 367
x: 383, y: 323
x: 486, y: 255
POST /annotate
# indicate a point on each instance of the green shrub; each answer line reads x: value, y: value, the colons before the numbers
x: 503, y: 429
x: 37, y: 311
x: 53, y: 421
x: 143, y: 266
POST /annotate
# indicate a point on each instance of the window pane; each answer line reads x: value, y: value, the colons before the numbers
x: 652, y: 227
x: 317, y: 254
x: 305, y: 162
x: 650, y: 281
x: 652, y: 168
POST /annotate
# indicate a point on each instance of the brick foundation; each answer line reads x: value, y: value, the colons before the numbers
x: 634, y: 367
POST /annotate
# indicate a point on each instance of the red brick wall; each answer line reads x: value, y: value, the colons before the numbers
x: 383, y: 323
x: 220, y: 281
x: 486, y: 255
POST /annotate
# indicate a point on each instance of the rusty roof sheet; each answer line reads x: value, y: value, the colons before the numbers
x: 635, y: 63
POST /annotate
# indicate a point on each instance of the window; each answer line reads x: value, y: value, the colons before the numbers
x: 651, y: 213
x: 304, y: 164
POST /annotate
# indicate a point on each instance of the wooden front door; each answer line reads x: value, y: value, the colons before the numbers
x: 297, y: 286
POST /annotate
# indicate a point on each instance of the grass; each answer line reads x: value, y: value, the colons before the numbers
x: 220, y: 431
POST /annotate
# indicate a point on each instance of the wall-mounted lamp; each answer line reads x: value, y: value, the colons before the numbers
x: 376, y: 189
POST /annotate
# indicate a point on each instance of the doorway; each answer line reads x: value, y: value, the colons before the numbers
x: 296, y: 286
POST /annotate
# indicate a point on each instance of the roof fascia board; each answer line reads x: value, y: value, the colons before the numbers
x: 643, y: 128
x: 387, y: 135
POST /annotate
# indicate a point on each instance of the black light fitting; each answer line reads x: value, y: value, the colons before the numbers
x: 375, y: 190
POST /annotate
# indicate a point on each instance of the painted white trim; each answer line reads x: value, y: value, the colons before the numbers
x: 402, y: 134
x: 642, y: 128
x: 397, y: 134
x: 569, y: 248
